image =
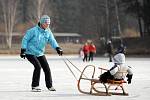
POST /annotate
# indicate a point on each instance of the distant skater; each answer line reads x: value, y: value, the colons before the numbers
x: 121, y: 48
x: 92, y: 51
x: 109, y: 50
x: 81, y: 54
x: 85, y: 51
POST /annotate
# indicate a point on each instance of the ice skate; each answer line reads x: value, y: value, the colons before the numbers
x: 51, y: 89
x: 36, y: 89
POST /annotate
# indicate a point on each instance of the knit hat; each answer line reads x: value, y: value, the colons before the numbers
x: 45, y: 19
x: 119, y: 58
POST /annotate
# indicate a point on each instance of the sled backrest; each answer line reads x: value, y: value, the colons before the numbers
x: 120, y: 75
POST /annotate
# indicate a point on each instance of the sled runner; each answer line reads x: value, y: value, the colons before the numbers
x: 96, y: 87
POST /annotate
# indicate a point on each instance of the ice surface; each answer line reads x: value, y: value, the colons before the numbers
x: 16, y: 75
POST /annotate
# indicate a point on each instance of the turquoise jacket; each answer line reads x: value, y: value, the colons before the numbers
x: 36, y: 39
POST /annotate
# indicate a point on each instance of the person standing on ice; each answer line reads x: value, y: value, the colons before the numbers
x: 92, y: 51
x: 33, y: 48
x: 85, y: 51
x: 121, y: 47
x: 109, y: 49
x: 116, y: 71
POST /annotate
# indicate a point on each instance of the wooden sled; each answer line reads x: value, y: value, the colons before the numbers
x: 111, y: 87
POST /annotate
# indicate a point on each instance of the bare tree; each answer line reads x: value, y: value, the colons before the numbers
x: 107, y: 21
x: 117, y: 17
x: 36, y: 9
x: 100, y: 17
x: 9, y: 8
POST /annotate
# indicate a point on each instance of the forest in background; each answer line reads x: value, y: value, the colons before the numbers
x: 93, y: 19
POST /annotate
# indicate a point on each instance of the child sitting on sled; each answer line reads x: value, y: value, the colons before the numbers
x: 115, y: 71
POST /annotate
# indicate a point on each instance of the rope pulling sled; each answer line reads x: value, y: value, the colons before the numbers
x: 111, y: 87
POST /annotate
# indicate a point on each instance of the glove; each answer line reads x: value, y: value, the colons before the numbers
x: 105, y: 76
x: 59, y: 51
x: 129, y: 78
x: 22, y: 54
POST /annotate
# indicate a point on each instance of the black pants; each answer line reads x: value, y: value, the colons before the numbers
x: 85, y: 57
x: 38, y: 63
x: 110, y: 57
x: 91, y: 55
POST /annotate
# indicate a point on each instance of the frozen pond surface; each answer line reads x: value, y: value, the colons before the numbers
x: 16, y: 75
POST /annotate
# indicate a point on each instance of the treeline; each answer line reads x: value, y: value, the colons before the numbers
x: 140, y: 9
x: 92, y: 18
